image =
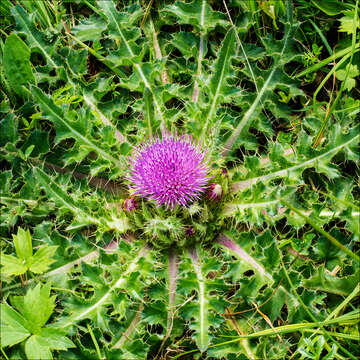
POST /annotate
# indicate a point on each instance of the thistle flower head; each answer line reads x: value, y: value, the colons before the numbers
x: 171, y: 170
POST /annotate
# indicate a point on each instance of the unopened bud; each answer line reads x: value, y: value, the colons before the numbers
x: 214, y: 192
x: 189, y: 231
x: 130, y: 204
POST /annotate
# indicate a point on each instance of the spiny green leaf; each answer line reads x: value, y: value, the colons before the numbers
x: 282, y: 52
x: 25, y: 25
x: 219, y: 89
x: 198, y: 13
x: 8, y: 129
x: 89, y: 29
x: 66, y: 128
x: 315, y: 225
x: 201, y: 325
x: 82, y: 217
x: 94, y: 309
x: 323, y: 281
x: 320, y: 159
x: 119, y: 28
x: 129, y: 51
x: 203, y: 313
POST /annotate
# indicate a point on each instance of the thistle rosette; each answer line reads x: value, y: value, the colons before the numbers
x: 170, y: 170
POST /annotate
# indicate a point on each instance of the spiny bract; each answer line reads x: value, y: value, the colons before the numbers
x: 171, y: 170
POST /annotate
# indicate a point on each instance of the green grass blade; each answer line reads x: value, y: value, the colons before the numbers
x: 328, y: 60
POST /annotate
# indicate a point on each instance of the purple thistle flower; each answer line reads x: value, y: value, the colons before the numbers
x: 171, y: 170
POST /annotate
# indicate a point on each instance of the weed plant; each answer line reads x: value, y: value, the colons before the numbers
x: 179, y: 179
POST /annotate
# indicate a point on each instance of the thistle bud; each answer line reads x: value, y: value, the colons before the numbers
x: 130, y: 204
x: 189, y: 231
x: 214, y: 191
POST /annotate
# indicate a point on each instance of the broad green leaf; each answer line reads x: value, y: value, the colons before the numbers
x: 12, y: 266
x: 16, y: 62
x: 23, y: 244
x: 54, y: 339
x: 13, y: 326
x: 350, y: 80
x: 42, y: 259
x: 24, y: 261
x: 37, y: 351
x: 38, y: 306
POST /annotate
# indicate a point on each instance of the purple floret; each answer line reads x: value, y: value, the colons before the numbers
x: 171, y: 170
